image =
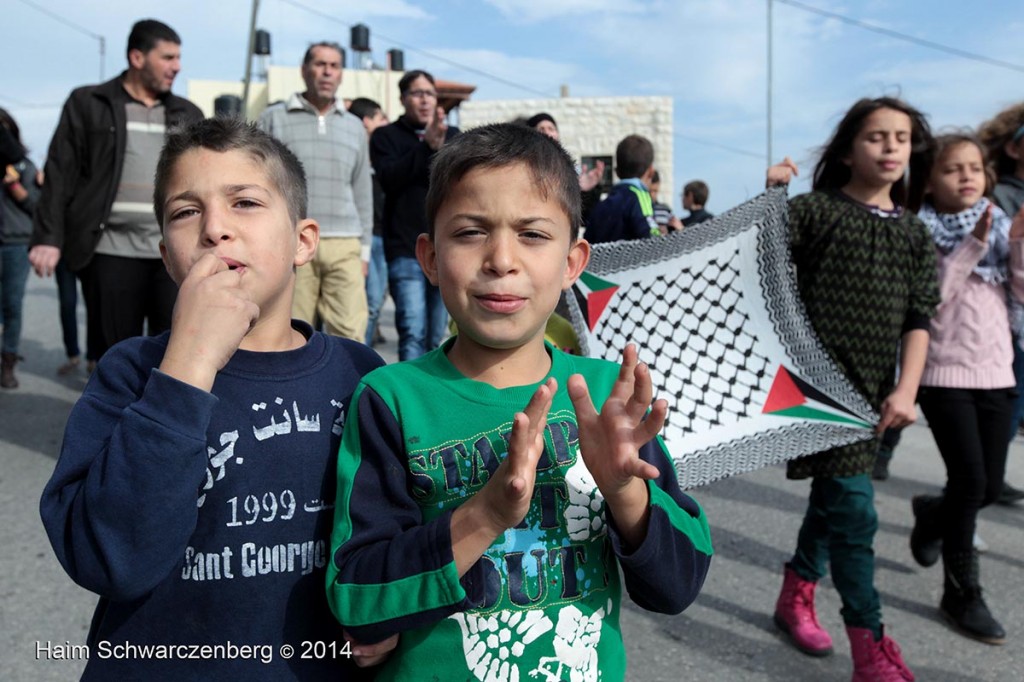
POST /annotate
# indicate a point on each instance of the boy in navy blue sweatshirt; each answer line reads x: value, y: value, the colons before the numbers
x: 628, y: 211
x: 193, y: 490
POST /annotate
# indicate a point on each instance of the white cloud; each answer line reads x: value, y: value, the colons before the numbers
x: 529, y: 11
x: 537, y: 74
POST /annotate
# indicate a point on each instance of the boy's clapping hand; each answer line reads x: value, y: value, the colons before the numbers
x: 610, y: 440
x: 510, y: 490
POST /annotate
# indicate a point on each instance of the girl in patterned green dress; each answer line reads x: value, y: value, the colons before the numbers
x: 866, y: 272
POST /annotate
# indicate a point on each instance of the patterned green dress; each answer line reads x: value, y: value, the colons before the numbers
x: 865, y: 279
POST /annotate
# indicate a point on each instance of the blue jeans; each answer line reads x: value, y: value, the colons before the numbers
x: 376, y: 285
x: 67, y: 293
x: 14, y: 267
x: 420, y: 315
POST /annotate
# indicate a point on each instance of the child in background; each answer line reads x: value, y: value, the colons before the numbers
x: 1003, y: 137
x: 662, y: 212
x: 627, y: 212
x: 695, y: 196
x: 866, y: 273
x: 492, y: 538
x: 967, y: 389
x: 190, y: 493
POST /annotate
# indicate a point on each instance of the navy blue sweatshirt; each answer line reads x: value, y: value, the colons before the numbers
x: 626, y: 213
x: 204, y: 518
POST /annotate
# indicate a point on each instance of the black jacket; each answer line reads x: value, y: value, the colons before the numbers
x: 83, y: 167
x: 401, y: 162
x: 16, y: 227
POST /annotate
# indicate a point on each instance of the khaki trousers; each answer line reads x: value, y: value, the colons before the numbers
x: 332, y: 288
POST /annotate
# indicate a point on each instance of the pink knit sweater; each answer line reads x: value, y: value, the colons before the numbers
x: 970, y: 345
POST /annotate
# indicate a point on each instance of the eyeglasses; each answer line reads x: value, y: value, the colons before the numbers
x: 421, y: 94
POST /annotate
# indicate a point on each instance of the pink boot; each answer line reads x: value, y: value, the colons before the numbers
x: 876, y: 661
x: 794, y: 614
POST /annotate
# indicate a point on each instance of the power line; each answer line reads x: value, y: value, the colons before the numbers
x: 28, y: 105
x: 77, y: 27
x: 412, y: 48
x: 903, y: 36
x: 718, y: 145
x: 62, y: 20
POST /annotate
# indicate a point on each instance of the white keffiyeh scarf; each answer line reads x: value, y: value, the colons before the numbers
x: 949, y: 229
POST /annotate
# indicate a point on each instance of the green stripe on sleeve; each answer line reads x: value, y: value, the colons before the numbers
x: 367, y: 604
x: 694, y: 528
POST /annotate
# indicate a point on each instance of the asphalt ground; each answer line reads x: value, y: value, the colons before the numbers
x: 727, y: 635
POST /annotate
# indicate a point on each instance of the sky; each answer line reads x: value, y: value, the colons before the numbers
x: 709, y: 56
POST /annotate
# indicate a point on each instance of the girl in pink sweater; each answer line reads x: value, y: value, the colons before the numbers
x: 968, y: 387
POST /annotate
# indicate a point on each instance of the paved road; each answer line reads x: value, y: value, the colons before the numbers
x: 726, y: 636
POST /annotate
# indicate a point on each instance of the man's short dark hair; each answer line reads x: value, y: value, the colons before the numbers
x: 363, y: 107
x: 410, y: 76
x: 308, y: 57
x: 147, y: 32
x: 697, y: 189
x: 499, y: 145
x: 633, y: 156
x: 537, y: 119
x: 225, y: 134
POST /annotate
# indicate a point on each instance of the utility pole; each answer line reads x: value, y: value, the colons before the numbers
x: 248, y: 60
x: 769, y: 93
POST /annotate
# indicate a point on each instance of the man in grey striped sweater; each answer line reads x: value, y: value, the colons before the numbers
x: 333, y: 148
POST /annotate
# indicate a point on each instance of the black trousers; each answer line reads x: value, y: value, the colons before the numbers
x: 971, y: 429
x: 125, y: 297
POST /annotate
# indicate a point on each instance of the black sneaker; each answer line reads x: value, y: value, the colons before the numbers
x: 1010, y: 495
x: 968, y: 613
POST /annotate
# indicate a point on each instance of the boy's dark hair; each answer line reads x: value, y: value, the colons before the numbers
x: 308, y: 57
x: 363, y: 107
x: 227, y: 134
x: 410, y: 76
x: 633, y: 156
x: 955, y: 138
x: 499, y: 145
x: 147, y: 32
x: 655, y: 178
x: 1000, y: 131
x: 832, y: 173
x: 698, y: 189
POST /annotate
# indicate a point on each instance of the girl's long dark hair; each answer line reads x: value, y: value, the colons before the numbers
x: 833, y: 173
x: 7, y: 121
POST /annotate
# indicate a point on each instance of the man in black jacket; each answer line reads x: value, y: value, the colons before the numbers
x: 96, y: 208
x: 401, y: 154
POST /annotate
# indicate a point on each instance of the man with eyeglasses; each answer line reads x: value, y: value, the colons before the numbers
x: 401, y: 154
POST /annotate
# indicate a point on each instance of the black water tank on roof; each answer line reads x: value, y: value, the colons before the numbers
x: 397, y: 60
x: 262, y: 44
x: 361, y: 38
x: 227, y: 106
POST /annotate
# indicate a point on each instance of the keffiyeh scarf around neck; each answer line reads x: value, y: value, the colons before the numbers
x: 949, y: 229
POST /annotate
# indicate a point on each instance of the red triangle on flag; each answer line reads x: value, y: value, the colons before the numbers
x: 783, y: 394
x: 597, y: 301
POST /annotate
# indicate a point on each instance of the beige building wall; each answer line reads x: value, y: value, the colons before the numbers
x: 591, y: 126
x: 282, y: 81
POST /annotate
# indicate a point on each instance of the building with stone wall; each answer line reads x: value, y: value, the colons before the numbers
x: 591, y: 126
